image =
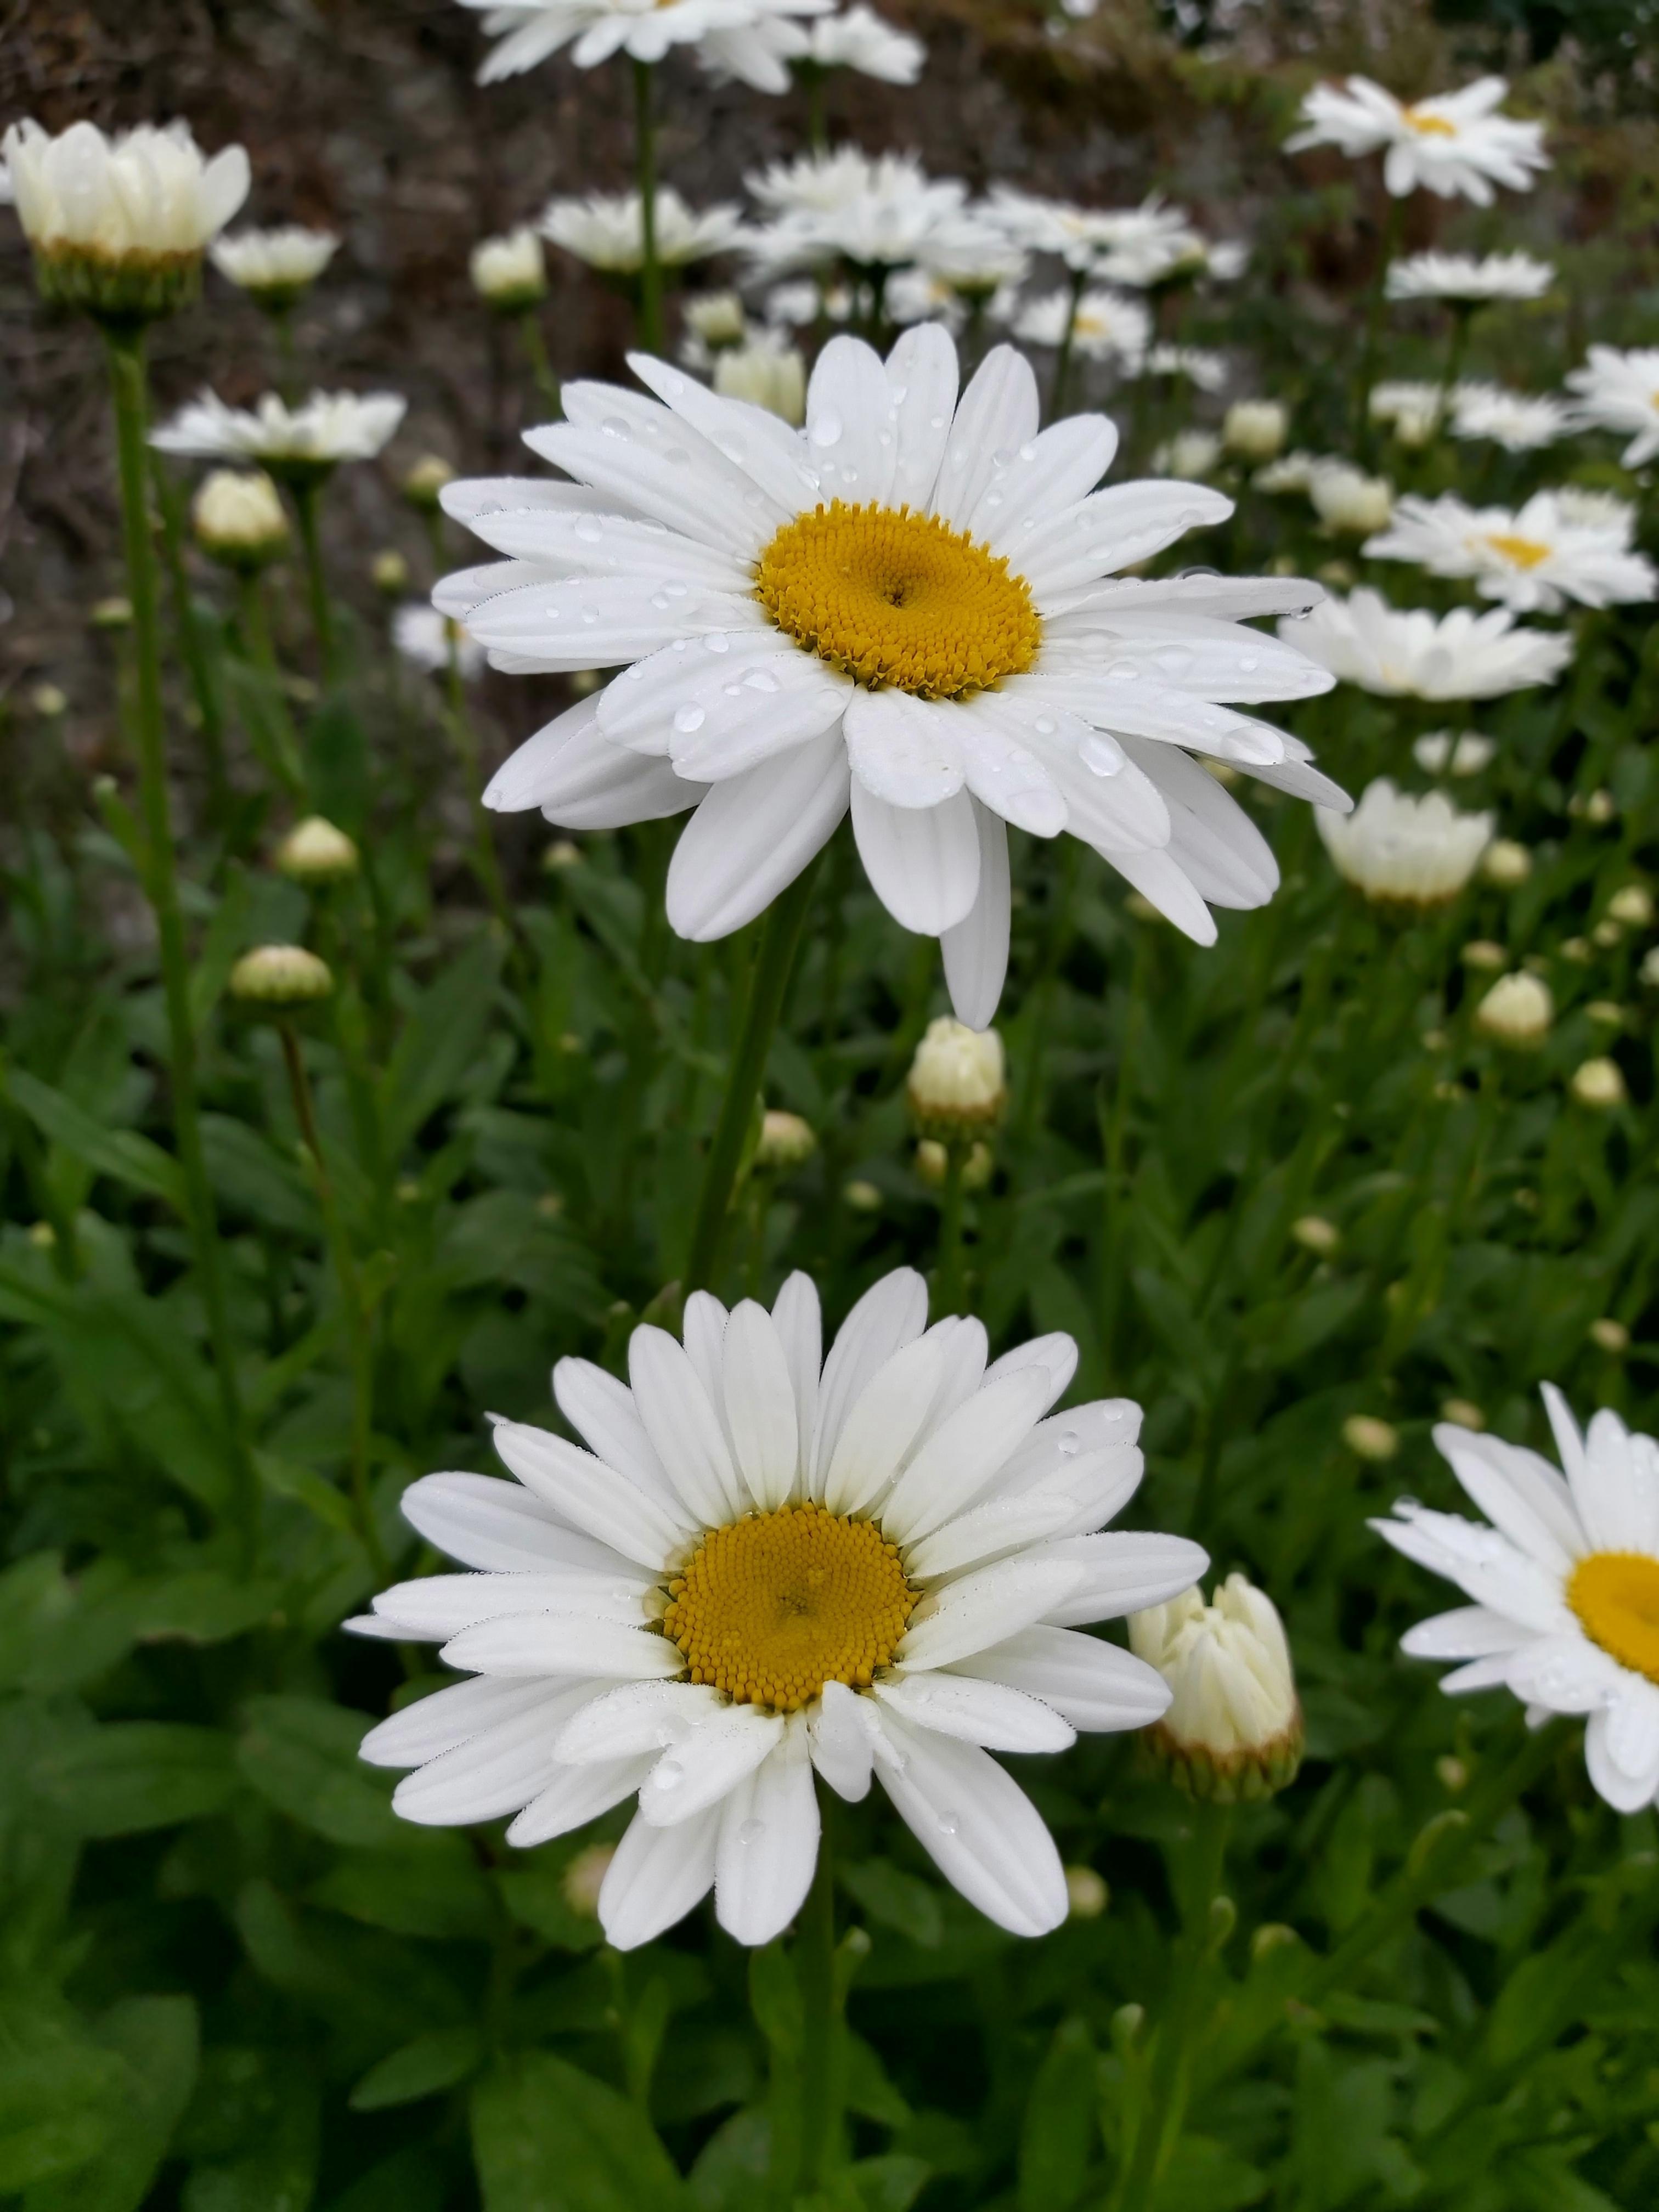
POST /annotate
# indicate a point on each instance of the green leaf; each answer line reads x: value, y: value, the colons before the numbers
x: 129, y: 1776
x: 263, y: 2109
x: 60, y: 2092
x: 250, y: 1176
x: 301, y: 1755
x: 438, y: 1890
x: 155, y: 2038
x: 59, y: 1631
x: 534, y: 1895
x: 896, y: 1900
x: 440, y: 1041
x: 1060, y: 2128
x: 1205, y: 2176
x: 121, y: 1154
x: 420, y: 2069
x: 549, y: 2138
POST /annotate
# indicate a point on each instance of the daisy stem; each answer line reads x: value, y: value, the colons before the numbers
x: 192, y: 644
x: 1457, y: 346
x: 465, y: 741
x: 306, y: 493
x: 125, y: 352
x: 823, y: 2060
x: 1063, y: 358
x: 1390, y: 242
x: 645, y: 148
x: 358, y: 1326
x: 541, y: 368
x: 770, y: 979
x: 948, y: 1280
x: 817, y: 134
x: 276, y: 743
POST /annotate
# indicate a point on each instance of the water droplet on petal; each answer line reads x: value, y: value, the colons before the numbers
x: 826, y: 429
x: 1028, y: 451
x: 949, y: 1823
x: 689, y: 718
x: 1123, y: 671
x: 613, y: 426
x: 589, y: 529
x: 1103, y: 755
x: 1249, y: 663
x: 1174, y: 660
x: 589, y: 614
x: 1045, y: 726
x: 717, y: 641
x: 936, y: 421
x: 751, y: 1832
x: 1068, y: 1443
x: 667, y: 1774
x: 761, y: 679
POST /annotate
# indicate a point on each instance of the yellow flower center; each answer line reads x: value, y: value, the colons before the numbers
x: 1519, y: 552
x: 892, y: 597
x: 1426, y: 125
x: 772, y: 1607
x: 1616, y: 1597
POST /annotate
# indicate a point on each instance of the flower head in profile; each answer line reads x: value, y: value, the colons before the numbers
x: 1563, y: 1577
x: 1411, y: 408
x: 117, y: 226
x: 1520, y: 421
x: 606, y: 230
x: 1469, y: 280
x: 510, y: 273
x: 1104, y: 325
x: 274, y: 267
x: 860, y: 39
x: 732, y: 31
x: 910, y: 608
x: 875, y: 211
x: 1456, y: 145
x: 1536, y: 559
x: 766, y: 1564
x: 427, y: 639
x: 304, y: 441
x: 1404, y: 851
x: 1409, y: 653
x: 1086, y: 238
x: 1203, y: 369
x: 238, y: 518
x: 1619, y: 390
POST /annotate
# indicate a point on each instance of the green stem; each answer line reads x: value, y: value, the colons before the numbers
x: 484, y: 864
x: 817, y: 134
x: 645, y: 149
x: 359, y: 1333
x: 1360, y: 431
x: 306, y: 496
x: 822, y: 2042
x: 1063, y: 359
x: 125, y: 352
x: 197, y: 664
x: 949, y: 1284
x: 535, y: 348
x: 1463, y: 316
x: 279, y: 746
x: 779, y: 938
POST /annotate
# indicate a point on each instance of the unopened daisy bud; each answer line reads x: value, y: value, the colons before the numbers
x: 117, y: 226
x: 1578, y: 950
x: 389, y: 572
x: 1599, y: 1084
x: 786, y: 1140
x: 1452, y: 1774
x: 933, y: 1164
x: 584, y: 1878
x: 863, y: 1197
x: 1463, y: 1413
x: 1273, y: 1935
x: 585, y: 682
x: 1256, y: 429
x: 1516, y: 1010
x: 1608, y: 1011
x: 1505, y: 864
x: 1189, y: 454
x: 1633, y: 906
x: 1233, y: 1730
x: 1315, y: 1234
x: 716, y: 318
x: 768, y: 375
x: 1368, y: 1438
x: 564, y: 853
x: 274, y: 268
x: 1087, y: 1895
x: 1649, y: 971
x: 238, y: 518
x: 315, y: 852
x: 42, y: 1236
x: 1611, y: 1335
x: 509, y: 274
x: 1482, y: 952
x: 49, y: 701
x: 1598, y: 809
x: 279, y: 976
x: 425, y: 481
x: 958, y: 1085
x: 112, y: 613
x: 1347, y: 499
x: 1606, y: 933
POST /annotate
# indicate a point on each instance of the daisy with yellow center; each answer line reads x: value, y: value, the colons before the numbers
x: 1565, y: 1583
x: 770, y: 1565
x: 1456, y: 144
x: 907, y: 609
x: 1561, y: 547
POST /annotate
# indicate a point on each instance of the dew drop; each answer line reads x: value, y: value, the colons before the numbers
x: 900, y: 393
x: 1100, y: 754
x: 1123, y: 671
x: 613, y: 426
x: 689, y: 718
x: 936, y: 421
x: 751, y: 1832
x: 677, y: 591
x: 677, y: 456
x: 731, y: 690
x: 1028, y: 451
x: 667, y: 1774
x: 1174, y: 660
x: 589, y: 615
x: 1249, y: 663
x: 1068, y: 1443
x: 761, y: 679
x: 635, y: 672
x: 717, y: 641
x: 826, y: 429
x: 1045, y: 726
x: 661, y: 600
x: 589, y: 529
x: 949, y: 1823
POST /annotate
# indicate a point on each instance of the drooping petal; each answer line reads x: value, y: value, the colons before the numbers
x: 976, y: 949
x: 1094, y: 1685
x: 978, y: 1826
x: 752, y: 836
x: 988, y: 1713
x: 923, y: 863
x: 656, y: 1877
x: 769, y: 1843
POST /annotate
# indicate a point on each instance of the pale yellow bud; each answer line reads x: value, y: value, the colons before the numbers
x: 1315, y: 1234
x: 564, y: 853
x: 1233, y: 1730
x: 584, y: 1878
x: 1482, y: 952
x: 786, y: 1140
x: 425, y: 480
x: 1505, y: 864
x: 933, y: 1164
x: 1086, y: 1893
x: 957, y: 1082
x: 769, y: 376
x: 1599, y: 1084
x: 49, y: 702
x: 277, y: 976
x: 863, y: 1197
x: 238, y: 518
x: 1369, y: 1438
x: 1463, y: 1413
x: 1516, y: 1010
x: 315, y: 852
x: 1256, y: 429
x: 389, y: 572
x: 1611, y: 1335
x: 509, y: 274
x: 1633, y: 905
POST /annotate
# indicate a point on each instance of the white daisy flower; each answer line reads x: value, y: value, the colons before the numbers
x: 1082, y: 237
x: 908, y: 608
x: 1536, y: 559
x: 1455, y: 145
x: 528, y: 32
x: 878, y: 212
x: 799, y: 302
x: 1619, y: 390
x: 424, y: 637
x: 510, y: 273
x: 1403, y: 850
x: 973, y: 256
x: 1105, y: 325
x: 274, y: 266
x: 860, y: 39
x: 1204, y: 370
x: 916, y: 295
x: 607, y: 230
x: 1520, y: 421
x: 1413, y: 654
x: 765, y: 1565
x: 329, y: 428
x: 1176, y: 256
x: 1447, y: 752
x: 1565, y: 1584
x: 1344, y: 498
x: 142, y: 195
x: 1468, y: 279
x: 1293, y: 472
x: 1412, y: 410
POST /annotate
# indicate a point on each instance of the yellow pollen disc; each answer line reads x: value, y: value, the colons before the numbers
x: 1429, y: 127
x: 772, y: 1607
x: 892, y: 597
x: 1519, y: 552
x: 1616, y: 1597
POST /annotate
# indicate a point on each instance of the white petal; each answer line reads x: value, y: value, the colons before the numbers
x: 798, y: 1321
x: 1567, y: 1673
x: 684, y: 1427
x: 1159, y: 877
x: 759, y: 1406
x: 978, y: 1826
x: 656, y: 1877
x: 769, y: 1843
x: 1610, y: 1501
x: 471, y: 499
x: 1210, y: 659
x: 495, y: 1771
x: 1468, y: 1632
x: 1056, y: 1354
x: 1002, y: 769
x: 922, y: 367
x: 636, y: 1720
x: 976, y: 949
x: 892, y: 1313
x: 762, y: 444
x: 1056, y: 469
x: 1626, y: 1790
x: 588, y: 783
x: 841, y: 1731
x: 636, y: 451
x: 703, y: 1766
x: 486, y: 1522
x: 987, y: 1713
x: 601, y: 1407
x: 450, y: 1717
x: 1111, y: 803
x: 1094, y: 1685
x: 590, y: 542
x: 702, y: 1332
x: 441, y: 1605
x: 1484, y: 1564
x: 1220, y: 850
x: 1117, y: 528
x: 851, y: 437
x: 598, y: 621
x: 591, y: 1496
x: 723, y: 704
x: 753, y: 835
x: 922, y: 863
x: 573, y: 1796
x: 985, y: 1607
x: 1632, y: 1734
x: 1124, y: 1572
x: 965, y: 1348
x: 562, y: 1643
x: 998, y: 413
x: 1519, y: 1493
x: 903, y: 749
x: 883, y: 1423
x: 964, y: 1453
